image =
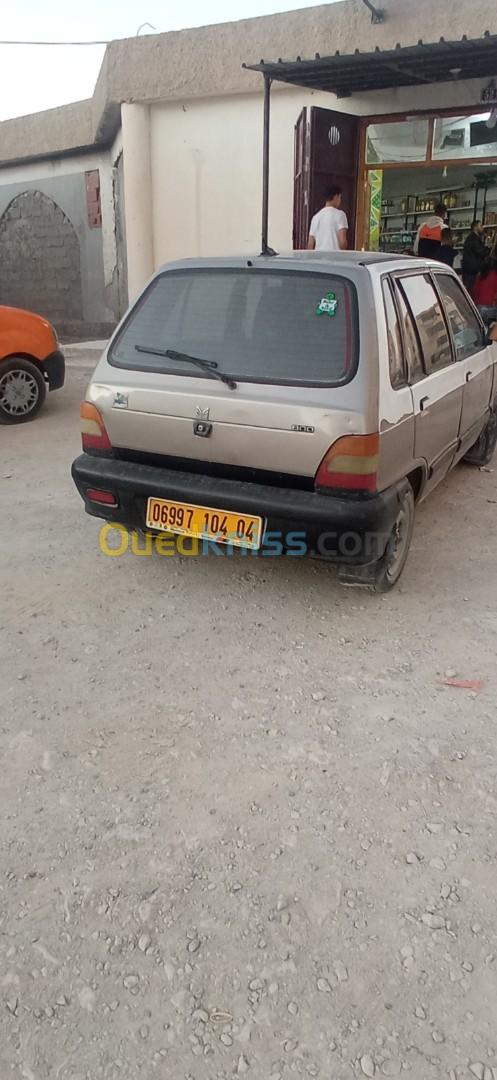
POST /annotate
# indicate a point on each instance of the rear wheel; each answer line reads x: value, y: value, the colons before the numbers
x: 483, y: 449
x: 383, y: 575
x: 22, y: 391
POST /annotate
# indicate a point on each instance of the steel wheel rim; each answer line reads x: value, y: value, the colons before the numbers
x: 19, y: 392
x: 398, y: 544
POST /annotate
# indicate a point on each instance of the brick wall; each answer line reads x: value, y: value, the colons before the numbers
x: 40, y: 259
x: 93, y: 203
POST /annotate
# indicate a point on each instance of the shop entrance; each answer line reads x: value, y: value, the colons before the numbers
x: 409, y: 165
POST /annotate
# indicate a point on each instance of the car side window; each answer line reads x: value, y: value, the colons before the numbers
x: 398, y: 376
x: 423, y: 301
x: 412, y: 347
x: 466, y: 328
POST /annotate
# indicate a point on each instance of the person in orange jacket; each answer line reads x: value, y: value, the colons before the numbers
x: 429, y: 238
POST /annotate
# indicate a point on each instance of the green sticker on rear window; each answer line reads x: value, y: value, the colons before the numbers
x: 328, y: 305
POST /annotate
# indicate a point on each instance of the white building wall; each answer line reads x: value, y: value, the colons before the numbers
x: 206, y: 163
x: 207, y: 174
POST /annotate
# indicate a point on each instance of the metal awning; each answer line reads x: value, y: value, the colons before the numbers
x: 412, y: 65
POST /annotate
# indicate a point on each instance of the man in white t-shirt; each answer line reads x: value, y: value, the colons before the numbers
x: 328, y: 231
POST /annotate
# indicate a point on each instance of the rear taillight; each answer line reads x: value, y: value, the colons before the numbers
x: 351, y: 464
x: 106, y: 498
x: 93, y: 432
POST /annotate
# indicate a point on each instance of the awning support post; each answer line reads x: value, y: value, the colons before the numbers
x: 376, y: 15
x: 266, y: 250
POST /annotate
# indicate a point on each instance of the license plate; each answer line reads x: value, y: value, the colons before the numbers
x: 223, y: 526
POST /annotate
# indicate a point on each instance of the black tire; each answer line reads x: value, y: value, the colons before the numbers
x: 482, y: 452
x: 383, y: 575
x: 22, y: 390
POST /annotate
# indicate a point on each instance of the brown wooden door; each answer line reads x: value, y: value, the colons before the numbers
x: 301, y: 190
x: 326, y: 152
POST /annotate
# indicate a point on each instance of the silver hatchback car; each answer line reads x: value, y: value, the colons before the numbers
x: 297, y: 404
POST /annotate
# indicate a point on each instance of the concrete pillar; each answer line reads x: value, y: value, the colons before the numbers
x: 137, y: 169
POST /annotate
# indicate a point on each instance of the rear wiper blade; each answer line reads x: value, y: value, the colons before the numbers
x: 207, y: 365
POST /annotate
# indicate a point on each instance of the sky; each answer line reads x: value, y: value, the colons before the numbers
x: 42, y: 77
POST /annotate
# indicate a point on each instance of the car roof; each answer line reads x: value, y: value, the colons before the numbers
x: 306, y: 260
x: 356, y: 258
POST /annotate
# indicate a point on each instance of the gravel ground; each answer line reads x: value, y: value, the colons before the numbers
x: 246, y: 829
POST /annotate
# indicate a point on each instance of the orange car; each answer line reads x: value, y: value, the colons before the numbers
x: 30, y: 363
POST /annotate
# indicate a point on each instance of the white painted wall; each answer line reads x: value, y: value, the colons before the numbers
x: 207, y: 174
x: 206, y: 163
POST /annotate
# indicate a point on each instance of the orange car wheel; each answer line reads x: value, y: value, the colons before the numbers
x: 22, y: 390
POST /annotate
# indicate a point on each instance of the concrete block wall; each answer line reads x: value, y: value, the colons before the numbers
x: 40, y: 266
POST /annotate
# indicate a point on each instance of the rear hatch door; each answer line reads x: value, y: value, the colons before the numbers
x: 287, y: 338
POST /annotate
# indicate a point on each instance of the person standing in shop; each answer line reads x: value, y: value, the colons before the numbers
x: 429, y: 238
x: 474, y: 254
x: 328, y: 231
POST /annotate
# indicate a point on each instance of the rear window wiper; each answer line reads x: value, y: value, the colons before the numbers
x: 207, y: 365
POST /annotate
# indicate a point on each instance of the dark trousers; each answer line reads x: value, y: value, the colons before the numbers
x: 468, y: 280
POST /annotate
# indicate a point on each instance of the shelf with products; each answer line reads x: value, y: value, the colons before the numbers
x: 487, y: 225
x: 431, y: 191
x: 457, y: 197
x: 445, y: 191
x: 488, y: 228
x: 461, y: 207
x: 472, y: 199
x: 427, y: 213
x: 402, y: 212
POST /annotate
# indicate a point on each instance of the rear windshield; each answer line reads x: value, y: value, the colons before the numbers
x: 256, y: 325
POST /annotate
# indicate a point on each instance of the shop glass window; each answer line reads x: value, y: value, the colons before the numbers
x: 466, y: 328
x: 465, y: 137
x: 395, y: 349
x: 399, y: 141
x: 433, y: 335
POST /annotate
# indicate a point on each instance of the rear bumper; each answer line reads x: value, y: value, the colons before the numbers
x: 54, y: 368
x: 352, y: 530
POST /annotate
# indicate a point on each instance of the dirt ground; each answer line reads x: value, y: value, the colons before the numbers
x: 245, y: 828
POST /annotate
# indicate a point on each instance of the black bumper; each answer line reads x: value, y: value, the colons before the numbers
x: 54, y: 368
x: 352, y: 530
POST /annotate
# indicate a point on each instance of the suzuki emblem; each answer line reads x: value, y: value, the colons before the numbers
x: 202, y: 414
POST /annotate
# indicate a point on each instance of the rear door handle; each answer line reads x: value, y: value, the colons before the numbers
x: 423, y: 404
x: 469, y: 376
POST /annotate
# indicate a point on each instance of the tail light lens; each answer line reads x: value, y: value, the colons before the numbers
x: 93, y: 431
x: 106, y: 498
x: 351, y: 464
